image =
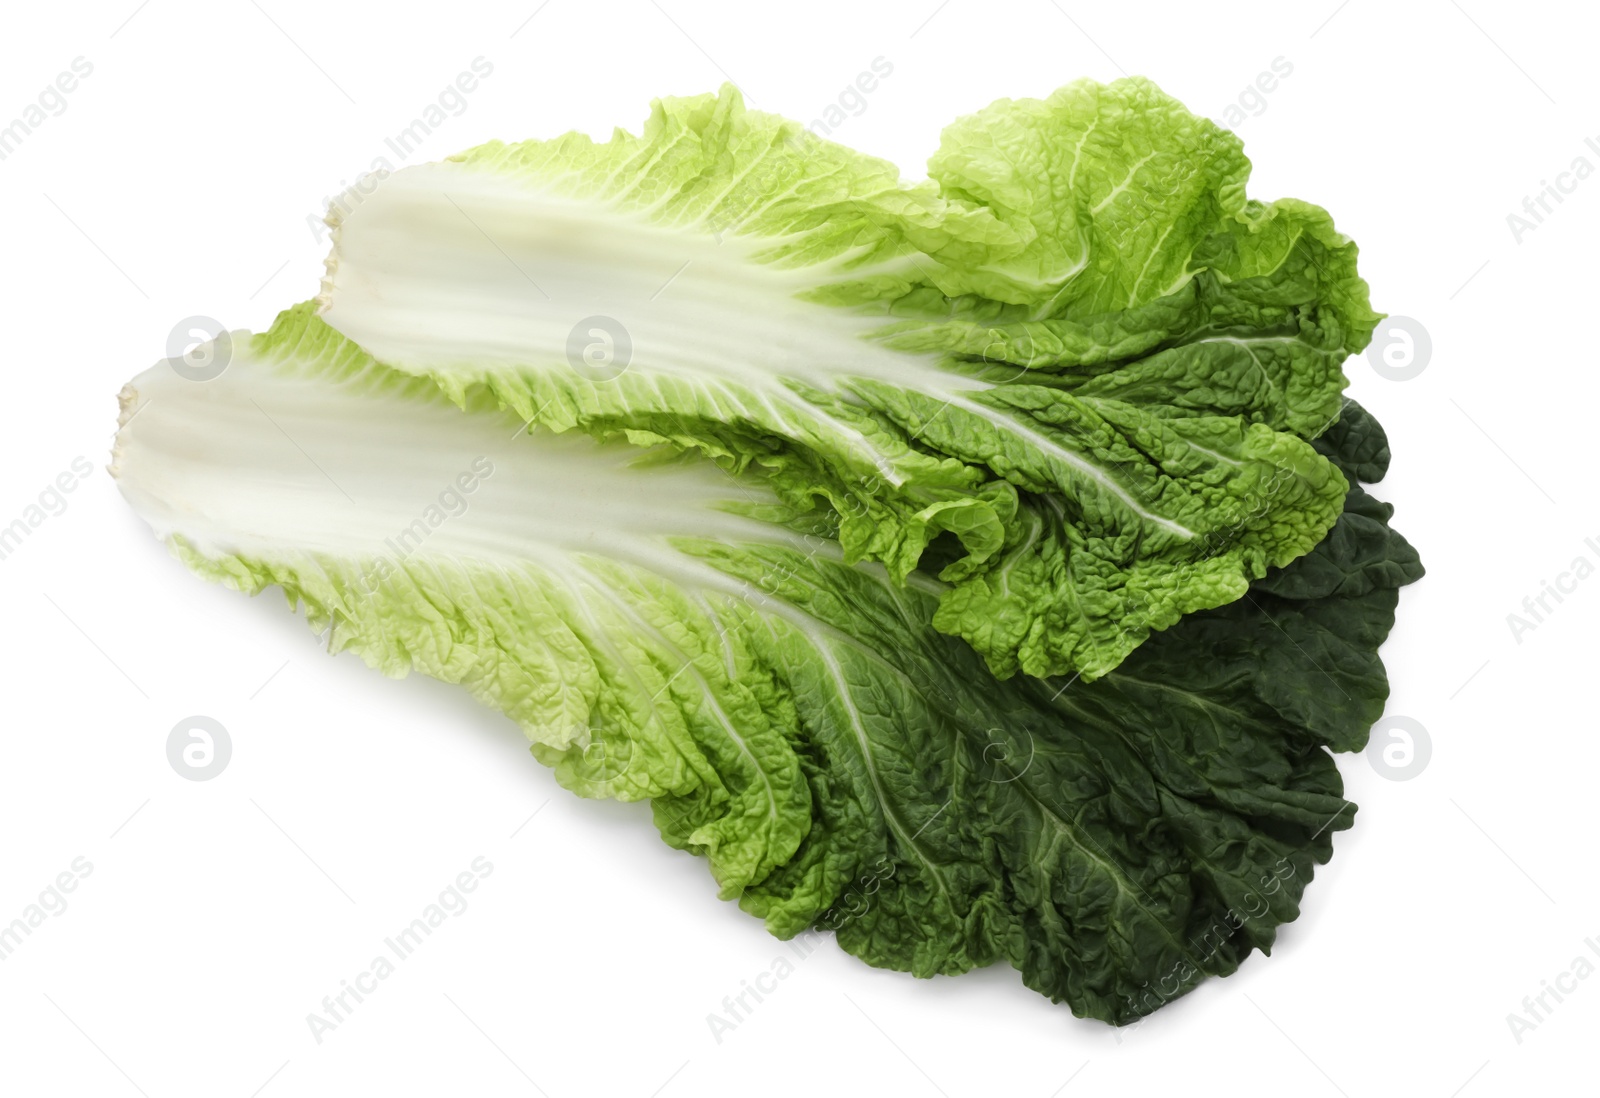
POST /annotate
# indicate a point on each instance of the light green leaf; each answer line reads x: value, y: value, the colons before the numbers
x: 1077, y: 350
x: 661, y: 628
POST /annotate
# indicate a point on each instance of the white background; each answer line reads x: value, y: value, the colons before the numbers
x: 178, y: 181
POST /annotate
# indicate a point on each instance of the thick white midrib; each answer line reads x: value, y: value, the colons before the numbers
x: 694, y: 308
x: 257, y: 463
x: 1074, y: 461
x: 787, y: 413
x: 189, y: 459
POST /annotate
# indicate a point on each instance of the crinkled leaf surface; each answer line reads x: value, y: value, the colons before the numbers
x: 663, y: 628
x: 1078, y: 351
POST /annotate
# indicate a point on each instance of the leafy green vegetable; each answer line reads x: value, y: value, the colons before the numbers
x: 729, y: 466
x: 663, y: 628
x: 1077, y: 365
